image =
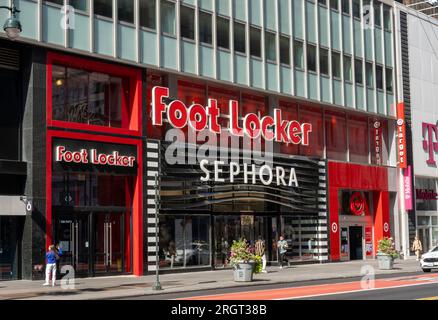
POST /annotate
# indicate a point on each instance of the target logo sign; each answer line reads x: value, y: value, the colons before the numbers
x: 386, y: 227
x: 334, y: 227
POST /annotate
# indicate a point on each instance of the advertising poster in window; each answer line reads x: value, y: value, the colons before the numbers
x: 369, y: 241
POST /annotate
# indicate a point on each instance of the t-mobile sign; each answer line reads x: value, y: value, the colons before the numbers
x: 430, y: 141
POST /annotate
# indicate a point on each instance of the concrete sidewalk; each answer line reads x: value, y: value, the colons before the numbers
x: 126, y: 286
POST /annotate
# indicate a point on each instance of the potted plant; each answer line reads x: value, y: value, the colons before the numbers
x: 244, y: 262
x: 386, y: 253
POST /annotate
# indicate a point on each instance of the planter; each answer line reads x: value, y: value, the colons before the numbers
x: 243, y: 272
x: 386, y: 262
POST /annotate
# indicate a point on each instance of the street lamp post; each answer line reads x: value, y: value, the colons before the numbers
x: 12, y: 25
x: 157, y: 284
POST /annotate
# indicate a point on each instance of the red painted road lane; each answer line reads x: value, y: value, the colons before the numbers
x: 317, y: 290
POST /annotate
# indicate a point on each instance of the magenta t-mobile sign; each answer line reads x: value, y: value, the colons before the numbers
x: 430, y: 142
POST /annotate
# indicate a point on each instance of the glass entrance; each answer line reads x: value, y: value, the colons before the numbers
x: 108, y: 243
x: 8, y: 248
x: 92, y: 243
x: 356, y: 243
x: 424, y: 236
x: 73, y: 236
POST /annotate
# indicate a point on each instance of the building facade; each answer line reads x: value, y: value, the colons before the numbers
x: 112, y: 98
x: 418, y: 44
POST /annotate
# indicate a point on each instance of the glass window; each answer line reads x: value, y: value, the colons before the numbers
x: 205, y: 27
x: 83, y: 97
x: 348, y: 75
x: 324, y: 61
x: 168, y: 17
x: 346, y: 6
x: 147, y: 13
x: 255, y: 42
x: 358, y: 72
x: 387, y: 17
x: 358, y: 139
x: 311, y: 58
x: 389, y: 85
x: 356, y: 9
x: 79, y: 4
x: 323, y: 2
x: 284, y: 50
x: 298, y: 55
x: 125, y: 10
x: 379, y: 77
x: 223, y: 33
x: 336, y: 136
x: 187, y: 22
x: 290, y: 113
x: 377, y: 15
x: 184, y: 241
x: 425, y: 190
x: 270, y: 47
x: 334, y: 4
x: 103, y: 8
x: 316, y: 140
x: 60, y: 2
x: 239, y: 37
x: 336, y: 65
x: 369, y: 74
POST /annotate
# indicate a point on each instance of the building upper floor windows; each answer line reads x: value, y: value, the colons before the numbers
x: 311, y: 58
x: 336, y: 65
x: 346, y: 6
x: 369, y: 74
x: 388, y: 79
x: 205, y: 30
x: 358, y: 71
x: 334, y: 5
x: 223, y: 33
x: 103, y: 8
x: 79, y: 4
x: 387, y: 17
x: 356, y: 9
x: 270, y: 47
x: 379, y: 77
x: 239, y: 37
x: 148, y: 14
x: 187, y: 22
x: 348, y: 74
x: 125, y: 10
x: 168, y: 25
x: 298, y: 55
x: 324, y: 61
x: 377, y: 15
x: 285, y: 50
x: 255, y: 42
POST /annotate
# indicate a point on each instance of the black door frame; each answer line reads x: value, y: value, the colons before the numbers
x: 352, y: 232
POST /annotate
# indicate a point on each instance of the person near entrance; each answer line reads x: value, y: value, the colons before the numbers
x: 282, y: 249
x: 417, y: 247
x: 52, y: 256
x: 260, y: 250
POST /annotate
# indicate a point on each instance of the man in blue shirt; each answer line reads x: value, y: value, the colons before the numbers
x: 52, y: 256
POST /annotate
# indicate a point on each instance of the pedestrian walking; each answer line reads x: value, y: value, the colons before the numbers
x: 260, y: 250
x: 282, y: 249
x: 417, y: 247
x: 52, y: 256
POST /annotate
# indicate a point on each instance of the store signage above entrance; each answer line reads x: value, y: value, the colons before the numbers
x: 401, y: 136
x: 92, y: 156
x: 429, y: 195
x: 200, y: 118
x: 430, y: 142
x: 265, y: 174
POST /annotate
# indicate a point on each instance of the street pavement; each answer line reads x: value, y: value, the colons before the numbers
x: 130, y: 286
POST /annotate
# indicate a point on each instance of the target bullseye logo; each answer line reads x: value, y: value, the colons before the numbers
x: 386, y: 227
x: 334, y: 227
x: 357, y: 204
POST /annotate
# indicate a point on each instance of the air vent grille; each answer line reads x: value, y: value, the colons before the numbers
x: 9, y: 59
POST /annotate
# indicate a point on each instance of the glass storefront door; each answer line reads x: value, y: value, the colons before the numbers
x: 92, y: 243
x: 424, y: 236
x: 73, y: 236
x: 108, y: 243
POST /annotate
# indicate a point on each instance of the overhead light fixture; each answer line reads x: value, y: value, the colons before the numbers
x: 12, y: 26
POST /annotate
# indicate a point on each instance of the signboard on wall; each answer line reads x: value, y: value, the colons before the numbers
x: 401, y: 136
x: 369, y: 241
x: 407, y: 188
